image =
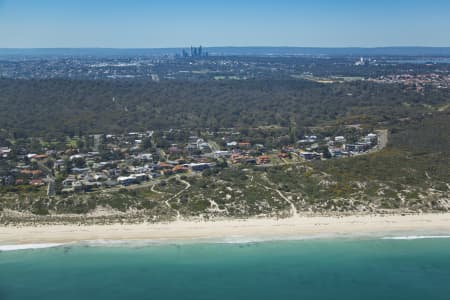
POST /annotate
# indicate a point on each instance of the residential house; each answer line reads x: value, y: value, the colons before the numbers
x: 263, y: 159
x: 245, y: 145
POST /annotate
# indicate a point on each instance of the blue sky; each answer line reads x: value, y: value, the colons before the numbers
x: 173, y: 23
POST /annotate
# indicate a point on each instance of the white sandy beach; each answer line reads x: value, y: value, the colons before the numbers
x: 233, y: 230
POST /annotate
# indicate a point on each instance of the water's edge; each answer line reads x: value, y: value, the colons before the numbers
x: 227, y: 240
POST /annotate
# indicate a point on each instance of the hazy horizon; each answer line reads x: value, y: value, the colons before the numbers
x: 227, y: 46
x: 177, y: 24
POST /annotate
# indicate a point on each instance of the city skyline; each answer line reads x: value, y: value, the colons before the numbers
x: 174, y: 23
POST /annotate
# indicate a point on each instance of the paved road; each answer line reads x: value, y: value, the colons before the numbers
x: 383, y: 139
x: 50, y: 178
x: 214, y: 146
x: 148, y: 184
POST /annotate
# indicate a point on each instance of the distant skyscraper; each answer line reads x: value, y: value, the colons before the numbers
x: 195, y: 52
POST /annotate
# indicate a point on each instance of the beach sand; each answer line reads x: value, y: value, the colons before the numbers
x: 234, y: 230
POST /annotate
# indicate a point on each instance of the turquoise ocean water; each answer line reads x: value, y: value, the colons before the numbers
x: 307, y: 269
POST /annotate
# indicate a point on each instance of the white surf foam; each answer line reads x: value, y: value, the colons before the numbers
x: 228, y: 240
x: 119, y: 243
x: 27, y: 247
x: 249, y: 240
x: 417, y: 237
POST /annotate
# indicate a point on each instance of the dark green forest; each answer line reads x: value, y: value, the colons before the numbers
x: 66, y: 108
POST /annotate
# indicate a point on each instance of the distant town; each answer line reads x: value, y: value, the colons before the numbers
x: 197, y: 63
x: 107, y: 161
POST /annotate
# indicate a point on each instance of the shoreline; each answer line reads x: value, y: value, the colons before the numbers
x: 232, y: 230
